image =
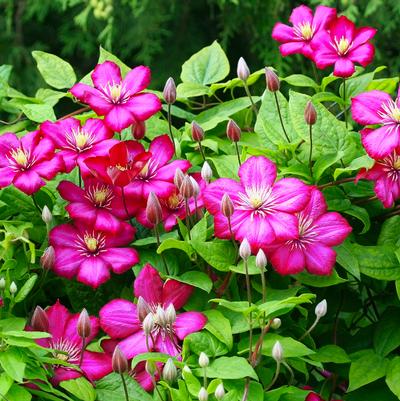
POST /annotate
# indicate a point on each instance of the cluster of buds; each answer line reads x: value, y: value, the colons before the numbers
x: 102, y: 9
x: 186, y: 185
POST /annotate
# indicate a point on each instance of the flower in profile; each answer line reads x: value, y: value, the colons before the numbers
x: 386, y: 174
x: 124, y: 321
x: 263, y: 208
x: 66, y: 345
x: 318, y: 232
x: 79, y: 142
x: 378, y: 108
x: 343, y: 45
x: 299, y: 37
x: 26, y: 162
x: 90, y: 254
x: 120, y: 101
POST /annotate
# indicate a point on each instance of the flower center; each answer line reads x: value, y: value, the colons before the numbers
x: 343, y: 45
x: 99, y: 195
x: 91, y: 244
x: 307, y: 233
x: 390, y: 112
x: 66, y: 350
x: 20, y: 156
x: 259, y: 200
x: 79, y: 139
x: 396, y: 164
x: 148, y: 171
x: 174, y: 201
x: 304, y: 30
x: 116, y: 93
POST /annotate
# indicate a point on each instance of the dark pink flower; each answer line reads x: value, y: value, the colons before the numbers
x: 27, y: 161
x: 66, y: 345
x: 343, y: 45
x: 121, y: 101
x: 299, y: 37
x: 318, y: 232
x: 386, y: 174
x: 263, y: 208
x: 120, y: 318
x: 79, y: 142
x: 90, y: 254
x: 373, y: 108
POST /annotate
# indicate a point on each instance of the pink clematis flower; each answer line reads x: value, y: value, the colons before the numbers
x: 315, y: 397
x: 377, y: 107
x: 263, y: 208
x: 312, y: 249
x: 343, y: 46
x: 27, y: 161
x: 299, y: 37
x: 386, y: 174
x: 121, y: 101
x: 79, y: 142
x: 121, y: 320
x: 66, y: 345
x: 90, y: 254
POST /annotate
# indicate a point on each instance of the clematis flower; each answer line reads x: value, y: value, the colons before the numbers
x: 79, y: 142
x: 343, y: 45
x: 90, y: 254
x: 263, y: 208
x: 97, y: 205
x: 315, y: 397
x: 124, y: 162
x: 373, y: 108
x: 386, y: 174
x: 121, y: 101
x: 123, y: 320
x: 66, y: 345
x: 318, y: 232
x: 26, y: 162
x: 299, y: 37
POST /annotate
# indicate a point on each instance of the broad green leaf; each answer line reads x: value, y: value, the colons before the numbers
x: 327, y: 97
x: 236, y: 306
x: 12, y: 324
x: 300, y: 80
x: 172, y: 243
x: 219, y: 326
x: 199, y: 231
x: 292, y: 393
x: 151, y: 356
x: 12, y: 361
x: 390, y: 233
x: 105, y: 55
x: 387, y: 333
x: 346, y: 259
x: 217, y: 253
x: 388, y: 85
x: 319, y: 281
x: 18, y: 393
x: 39, y: 112
x: 26, y: 288
x: 355, y: 165
x: 393, y: 376
x: 323, y: 163
x: 5, y: 382
x: 361, y: 214
x: 331, y: 353
x: 191, y: 89
x: 196, y: 279
x: 80, y: 388
x: 226, y: 166
x: 206, y: 342
x: 251, y: 267
x: 55, y: 71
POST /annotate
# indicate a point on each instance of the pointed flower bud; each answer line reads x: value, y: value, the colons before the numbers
x: 206, y: 172
x: 40, y: 321
x: 48, y: 259
x: 13, y: 288
x: 273, y: 83
x: 178, y: 177
x: 243, y: 71
x: 321, y: 309
x: 244, y: 249
x: 219, y: 392
x: 187, y: 369
x: 203, y: 394
x: 148, y: 324
x: 47, y: 217
x: 233, y: 131
x: 151, y: 367
x: 310, y: 114
x: 196, y: 187
x: 276, y: 323
x: 227, y: 207
x: 203, y: 360
x: 143, y: 308
x: 197, y: 132
x: 161, y: 318
x: 169, y: 372
x: 153, y: 209
x: 2, y: 283
x: 277, y: 352
x: 119, y: 361
x: 83, y: 326
x: 170, y: 314
x: 169, y: 91
x: 261, y: 260
x: 186, y: 189
x: 138, y: 130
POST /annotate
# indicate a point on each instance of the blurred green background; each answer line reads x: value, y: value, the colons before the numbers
x: 164, y: 33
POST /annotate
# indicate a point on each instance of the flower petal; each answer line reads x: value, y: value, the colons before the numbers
x: 287, y: 259
x: 137, y: 79
x: 300, y: 15
x: 323, y: 16
x: 58, y: 316
x: 382, y: 141
x: 363, y: 35
x: 107, y: 73
x: 257, y: 172
x: 290, y: 195
x: 287, y: 49
x: 64, y: 235
x: 67, y: 262
x: 343, y: 27
x: 28, y: 182
x: 363, y: 54
x: 365, y: 107
x: 332, y: 228
x: 284, y: 225
x: 93, y: 272
x: 189, y: 322
x: 344, y: 68
x: 149, y: 285
x: 283, y: 33
x: 143, y: 105
x: 320, y: 259
x: 176, y: 293
x: 71, y: 192
x: 167, y: 346
x: 214, y: 192
x: 120, y: 259
x: 119, y: 117
x: 96, y: 365
x: 135, y: 344
x: 161, y: 149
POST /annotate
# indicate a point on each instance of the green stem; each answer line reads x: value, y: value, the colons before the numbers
x: 157, y: 233
x: 345, y: 103
x: 311, y: 145
x: 170, y: 128
x: 248, y: 288
x: 280, y: 117
x: 253, y: 106
x: 238, y: 154
x: 277, y: 370
x: 187, y: 212
x: 36, y: 204
x: 125, y: 387
x: 202, y: 151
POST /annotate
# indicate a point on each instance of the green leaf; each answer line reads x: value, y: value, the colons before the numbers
x: 207, y: 66
x: 232, y: 368
x: 390, y: 233
x: 196, y: 279
x: 236, y: 306
x: 251, y: 267
x: 12, y: 362
x: 331, y: 353
x: 80, y: 388
x: 199, y: 231
x: 55, y: 71
x: 388, y: 85
x: 219, y: 326
x: 346, y: 259
x: 151, y: 356
x: 217, y: 253
x: 18, y: 393
x: 26, y: 288
x: 300, y: 80
x: 324, y: 163
x: 327, y: 97
x: 393, y: 376
x: 387, y: 333
x: 105, y: 55
x: 204, y: 341
x: 191, y: 89
x: 319, y: 281
x: 172, y: 243
x: 38, y: 112
x: 5, y: 382
x: 226, y: 166
x: 361, y: 214
x: 49, y: 96
x: 355, y: 165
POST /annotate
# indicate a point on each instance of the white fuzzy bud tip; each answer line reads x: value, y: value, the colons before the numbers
x: 277, y: 352
x: 13, y: 288
x: 261, y: 259
x: 276, y: 323
x: 321, y: 309
x: 203, y: 394
x: 203, y: 360
x: 219, y: 392
x: 206, y: 172
x: 245, y: 249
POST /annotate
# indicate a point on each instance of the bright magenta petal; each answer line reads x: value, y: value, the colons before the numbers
x: 149, y: 285
x: 300, y: 15
x: 344, y: 68
x: 96, y: 365
x: 320, y: 259
x: 119, y: 117
x: 290, y: 195
x: 283, y: 33
x: 176, y: 293
x: 137, y: 79
x: 366, y: 106
x: 288, y: 259
x: 257, y: 172
x: 93, y: 272
x: 363, y: 54
x: 382, y: 141
x: 332, y: 228
x: 135, y: 344
x: 120, y: 259
x: 143, y: 105
x: 107, y: 73
x: 28, y: 182
x: 189, y: 322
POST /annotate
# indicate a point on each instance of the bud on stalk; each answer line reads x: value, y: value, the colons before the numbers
x: 148, y: 324
x: 170, y: 314
x: 2, y: 283
x: 169, y: 91
x: 243, y: 70
x: 13, y: 288
x: 310, y: 114
x: 83, y: 326
x: 321, y: 309
x: 47, y: 217
x: 178, y: 177
x: 196, y: 187
x: 244, y: 249
x: 203, y: 394
x: 197, y: 132
x: 277, y: 352
x: 153, y: 209
x: 142, y: 308
x: 169, y: 372
x: 276, y: 323
x: 48, y: 259
x: 206, y: 172
x: 203, y: 360
x: 219, y: 392
x: 273, y: 83
x: 186, y: 189
x: 227, y: 207
x: 39, y: 321
x: 138, y: 130
x: 233, y: 131
x: 119, y: 361
x: 261, y: 260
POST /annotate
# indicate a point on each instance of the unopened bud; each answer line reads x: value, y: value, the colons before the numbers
x: 273, y: 83
x: 178, y: 177
x: 169, y: 372
x: 161, y: 318
x: 196, y: 187
x: 261, y: 260
x: 227, y: 207
x: 276, y: 323
x: 148, y: 324
x: 203, y: 394
x: 47, y: 217
x: 186, y: 189
x: 153, y: 209
x: 187, y: 369
x: 138, y: 130
x: 197, y: 132
x: 310, y: 114
x: 119, y: 362
x: 48, y: 259
x: 83, y: 326
x: 2, y: 283
x: 277, y: 352
x: 244, y: 249
x: 233, y: 131
x: 169, y: 91
x: 243, y: 71
x: 40, y: 321
x: 321, y: 309
x: 143, y: 308
x: 203, y: 360
x: 206, y: 172
x: 170, y: 314
x: 151, y: 367
x: 219, y: 392
x: 13, y: 288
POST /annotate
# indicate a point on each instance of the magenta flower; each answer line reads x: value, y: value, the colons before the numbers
x: 299, y: 37
x: 373, y: 108
x: 121, y: 101
x: 318, y: 232
x: 79, y: 142
x: 27, y: 161
x: 66, y: 345
x: 343, y: 46
x: 120, y: 318
x: 90, y: 254
x: 386, y: 174
x: 263, y: 208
